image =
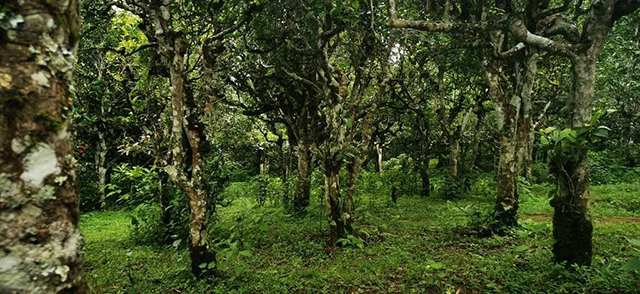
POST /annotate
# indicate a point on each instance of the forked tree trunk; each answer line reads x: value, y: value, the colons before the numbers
x: 40, y: 243
x: 303, y: 185
x: 513, y: 110
x: 188, y: 140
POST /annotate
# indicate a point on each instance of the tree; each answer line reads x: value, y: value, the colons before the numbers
x: 572, y: 227
x: 40, y: 241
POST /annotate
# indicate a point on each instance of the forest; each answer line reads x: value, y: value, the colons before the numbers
x: 319, y: 146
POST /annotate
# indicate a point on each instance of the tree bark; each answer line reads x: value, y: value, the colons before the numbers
x: 572, y: 226
x: 339, y: 219
x: 424, y: 175
x: 100, y: 158
x: 513, y: 109
x: 303, y: 185
x: 379, y: 161
x: 40, y: 243
x: 188, y: 140
x: 454, y: 159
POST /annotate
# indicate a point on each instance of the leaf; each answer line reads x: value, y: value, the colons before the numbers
x: 245, y: 253
x: 632, y: 264
x: 634, y: 242
x: 544, y: 140
x: 437, y: 265
x: 521, y: 248
x: 176, y: 243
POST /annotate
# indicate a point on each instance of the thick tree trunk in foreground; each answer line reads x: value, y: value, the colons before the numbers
x: 303, y: 185
x: 40, y: 244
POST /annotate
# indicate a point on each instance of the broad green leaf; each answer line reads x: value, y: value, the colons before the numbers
x: 632, y: 264
x: 521, y: 248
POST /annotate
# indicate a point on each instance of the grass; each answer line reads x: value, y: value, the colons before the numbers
x: 418, y: 246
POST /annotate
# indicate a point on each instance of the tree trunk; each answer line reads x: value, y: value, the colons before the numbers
x: 454, y: 158
x: 285, y: 156
x: 424, y: 175
x: 100, y: 158
x: 379, y: 162
x: 394, y: 194
x: 164, y: 199
x: 303, y: 185
x: 506, y: 207
x: 339, y: 220
x: 40, y: 244
x: 188, y: 140
x: 572, y: 226
x: 263, y: 157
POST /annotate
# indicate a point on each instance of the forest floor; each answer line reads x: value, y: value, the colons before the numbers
x: 420, y: 245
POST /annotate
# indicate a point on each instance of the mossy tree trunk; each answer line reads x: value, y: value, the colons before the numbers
x: 572, y: 227
x: 40, y: 244
x: 303, y: 183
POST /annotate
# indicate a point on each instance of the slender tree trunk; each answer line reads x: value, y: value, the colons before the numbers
x: 303, y: 185
x: 424, y: 175
x: 188, y: 140
x: 454, y: 159
x: 572, y: 226
x: 528, y: 157
x: 100, y: 158
x: 163, y: 195
x: 394, y: 194
x: 285, y: 155
x: 379, y: 161
x: 40, y: 243
x: 263, y: 157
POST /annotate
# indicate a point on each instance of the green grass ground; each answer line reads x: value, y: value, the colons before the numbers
x: 419, y: 246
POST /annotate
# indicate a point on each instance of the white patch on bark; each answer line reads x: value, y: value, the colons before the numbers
x: 39, y: 164
x: 17, y: 145
x: 41, y: 79
x: 7, y: 263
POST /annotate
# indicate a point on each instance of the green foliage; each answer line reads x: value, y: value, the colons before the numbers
x: 634, y: 263
x: 608, y: 168
x: 133, y: 185
x: 568, y: 144
x: 351, y: 241
x: 147, y: 224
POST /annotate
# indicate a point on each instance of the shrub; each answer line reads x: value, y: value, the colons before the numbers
x: 147, y: 224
